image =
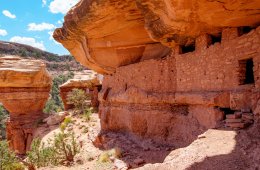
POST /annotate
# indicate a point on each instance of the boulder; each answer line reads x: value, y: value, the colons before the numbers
x: 56, y: 118
x: 24, y: 90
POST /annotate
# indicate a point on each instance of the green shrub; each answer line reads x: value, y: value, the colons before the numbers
x: 3, y: 117
x: 113, y: 153
x: 55, y: 104
x: 63, y: 127
x: 41, y: 155
x: 65, y: 123
x: 78, y: 98
x: 8, y: 160
x: 87, y: 113
x: 67, y: 120
x: 65, y: 146
x: 62, y: 148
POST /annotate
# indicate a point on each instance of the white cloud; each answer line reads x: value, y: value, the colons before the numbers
x: 61, y: 6
x: 29, y: 41
x: 8, y: 14
x: 40, y: 27
x: 44, y: 2
x: 3, y: 32
x: 51, y: 37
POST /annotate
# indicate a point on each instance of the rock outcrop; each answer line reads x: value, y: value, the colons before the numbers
x: 173, y: 68
x: 176, y: 98
x: 104, y: 35
x: 87, y: 81
x: 24, y: 90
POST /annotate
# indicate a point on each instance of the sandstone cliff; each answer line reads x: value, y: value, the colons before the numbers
x: 104, y: 35
x: 24, y: 89
x: 172, y: 68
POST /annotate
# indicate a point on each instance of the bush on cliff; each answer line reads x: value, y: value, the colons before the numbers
x: 8, y: 160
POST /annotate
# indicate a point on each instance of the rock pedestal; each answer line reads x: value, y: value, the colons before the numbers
x: 86, y: 81
x: 24, y: 90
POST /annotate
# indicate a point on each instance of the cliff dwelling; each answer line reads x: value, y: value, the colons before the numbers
x: 180, y: 87
x: 172, y: 69
x: 157, y: 68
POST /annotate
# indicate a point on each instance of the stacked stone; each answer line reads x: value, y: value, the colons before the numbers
x: 239, y: 120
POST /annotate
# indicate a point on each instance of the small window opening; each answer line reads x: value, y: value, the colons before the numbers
x: 227, y: 111
x: 244, y: 30
x: 215, y: 39
x: 187, y: 49
x: 99, y: 87
x: 246, y: 72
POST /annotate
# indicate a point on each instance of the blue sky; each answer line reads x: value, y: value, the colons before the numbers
x: 33, y: 21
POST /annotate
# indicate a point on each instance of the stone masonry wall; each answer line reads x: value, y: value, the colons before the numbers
x: 175, y: 98
x: 216, y: 68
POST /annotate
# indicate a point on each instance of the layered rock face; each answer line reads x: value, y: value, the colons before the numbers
x: 104, y: 35
x: 176, y: 98
x: 212, y: 68
x: 24, y: 90
x: 87, y: 81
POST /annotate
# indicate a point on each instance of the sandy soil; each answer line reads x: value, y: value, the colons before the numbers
x: 215, y: 149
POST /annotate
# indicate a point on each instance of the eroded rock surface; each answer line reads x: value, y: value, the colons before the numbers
x: 104, y: 35
x: 174, y: 99
x: 211, y: 69
x: 24, y: 90
x: 88, y: 81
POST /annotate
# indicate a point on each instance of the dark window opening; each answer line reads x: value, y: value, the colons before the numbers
x: 99, y: 87
x: 227, y: 111
x: 244, y: 30
x: 246, y: 72
x: 216, y: 39
x: 187, y: 49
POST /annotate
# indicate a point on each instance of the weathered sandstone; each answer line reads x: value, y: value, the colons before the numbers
x: 176, y: 98
x: 104, y: 35
x: 87, y: 81
x: 211, y: 69
x: 24, y: 89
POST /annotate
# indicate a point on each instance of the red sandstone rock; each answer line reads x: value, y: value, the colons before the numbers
x: 235, y: 125
x: 175, y: 98
x: 233, y: 120
x: 106, y: 35
x: 24, y: 89
x: 87, y: 81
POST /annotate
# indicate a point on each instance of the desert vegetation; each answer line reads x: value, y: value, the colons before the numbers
x: 54, y: 104
x: 3, y: 116
x: 59, y: 150
x: 8, y: 159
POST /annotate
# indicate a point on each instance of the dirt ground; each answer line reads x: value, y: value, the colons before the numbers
x: 215, y: 149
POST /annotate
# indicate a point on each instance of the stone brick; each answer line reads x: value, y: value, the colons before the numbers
x: 233, y: 120
x: 235, y: 125
x: 144, y: 94
x: 229, y: 34
x: 202, y: 42
x: 248, y: 116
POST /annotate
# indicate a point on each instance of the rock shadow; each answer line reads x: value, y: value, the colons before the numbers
x: 245, y: 153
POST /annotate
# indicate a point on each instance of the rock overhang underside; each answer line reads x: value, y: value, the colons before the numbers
x: 106, y: 34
